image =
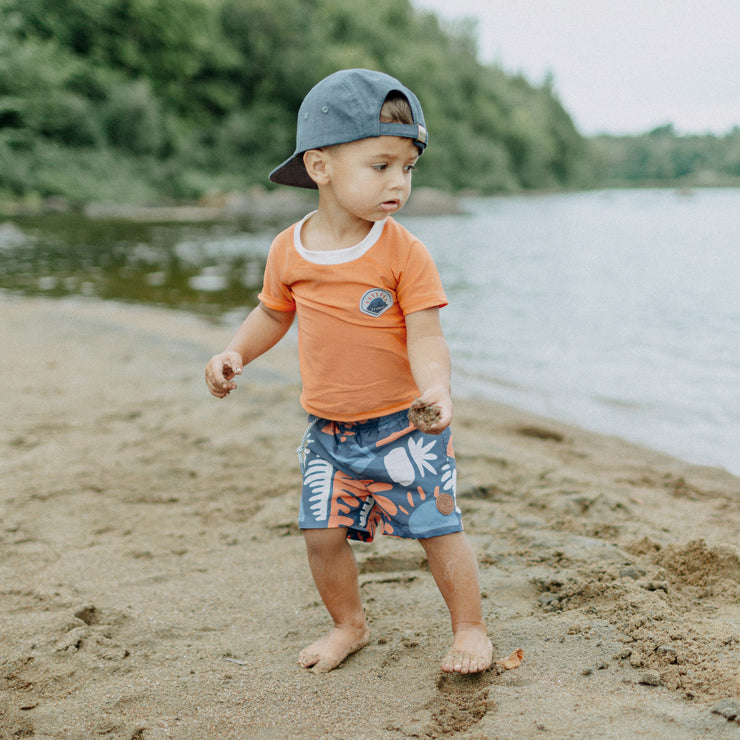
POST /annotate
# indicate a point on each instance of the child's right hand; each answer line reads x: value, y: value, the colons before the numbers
x: 221, y: 371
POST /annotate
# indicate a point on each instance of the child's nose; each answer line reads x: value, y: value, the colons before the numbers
x: 399, y: 177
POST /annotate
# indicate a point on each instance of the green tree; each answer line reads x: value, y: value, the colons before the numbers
x: 202, y: 94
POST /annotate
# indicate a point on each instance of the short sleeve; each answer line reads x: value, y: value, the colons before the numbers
x: 419, y: 282
x: 275, y: 293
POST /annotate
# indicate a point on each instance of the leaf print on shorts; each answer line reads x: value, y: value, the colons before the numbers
x: 344, y: 499
x: 348, y: 494
x: 319, y: 479
x: 383, y: 510
x: 398, y: 462
x: 421, y: 456
x: 449, y: 478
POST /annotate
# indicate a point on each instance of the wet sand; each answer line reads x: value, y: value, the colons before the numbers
x: 153, y: 581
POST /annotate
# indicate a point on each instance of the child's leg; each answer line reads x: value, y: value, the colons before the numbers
x: 334, y: 571
x: 455, y: 570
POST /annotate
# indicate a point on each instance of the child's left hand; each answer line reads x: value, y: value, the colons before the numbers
x: 437, y: 397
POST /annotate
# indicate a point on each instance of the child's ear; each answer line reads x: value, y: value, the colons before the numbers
x: 315, y: 162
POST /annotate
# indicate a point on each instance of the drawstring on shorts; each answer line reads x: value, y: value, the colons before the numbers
x: 301, y: 450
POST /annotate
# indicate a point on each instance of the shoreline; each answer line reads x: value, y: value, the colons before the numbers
x: 154, y: 581
x: 257, y: 206
x: 683, y: 458
x: 263, y: 207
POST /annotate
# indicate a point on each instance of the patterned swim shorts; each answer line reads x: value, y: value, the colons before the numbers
x: 378, y: 473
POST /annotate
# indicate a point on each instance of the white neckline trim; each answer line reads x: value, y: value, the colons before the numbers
x: 336, y: 256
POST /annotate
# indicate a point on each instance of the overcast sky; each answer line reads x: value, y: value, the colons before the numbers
x: 620, y: 66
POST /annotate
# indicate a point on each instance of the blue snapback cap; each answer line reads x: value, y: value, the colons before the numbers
x: 344, y: 107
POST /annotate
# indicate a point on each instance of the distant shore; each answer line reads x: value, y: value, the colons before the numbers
x: 256, y: 206
x: 260, y: 207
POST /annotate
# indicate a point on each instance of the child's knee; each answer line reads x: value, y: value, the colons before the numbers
x: 450, y: 541
x: 325, y: 542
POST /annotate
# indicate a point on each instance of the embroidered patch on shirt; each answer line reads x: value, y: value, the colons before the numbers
x: 376, y: 301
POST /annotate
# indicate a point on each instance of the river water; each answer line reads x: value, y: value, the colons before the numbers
x: 618, y: 311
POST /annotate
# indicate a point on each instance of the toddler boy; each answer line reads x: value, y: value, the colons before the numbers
x: 367, y: 296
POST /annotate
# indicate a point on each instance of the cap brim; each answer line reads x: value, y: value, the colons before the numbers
x: 292, y: 172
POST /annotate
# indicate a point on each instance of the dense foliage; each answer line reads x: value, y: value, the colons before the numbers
x: 150, y: 99
x: 662, y: 157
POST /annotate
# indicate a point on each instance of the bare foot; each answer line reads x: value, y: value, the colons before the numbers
x: 328, y: 652
x: 471, y: 651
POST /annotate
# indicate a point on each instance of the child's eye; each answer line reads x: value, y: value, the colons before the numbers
x: 380, y: 167
x: 410, y: 167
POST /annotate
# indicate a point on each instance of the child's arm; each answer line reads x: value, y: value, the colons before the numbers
x: 429, y: 358
x: 263, y: 328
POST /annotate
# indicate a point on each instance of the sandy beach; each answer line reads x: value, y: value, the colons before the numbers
x: 153, y: 581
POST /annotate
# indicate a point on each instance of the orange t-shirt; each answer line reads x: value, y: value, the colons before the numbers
x: 350, y: 305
